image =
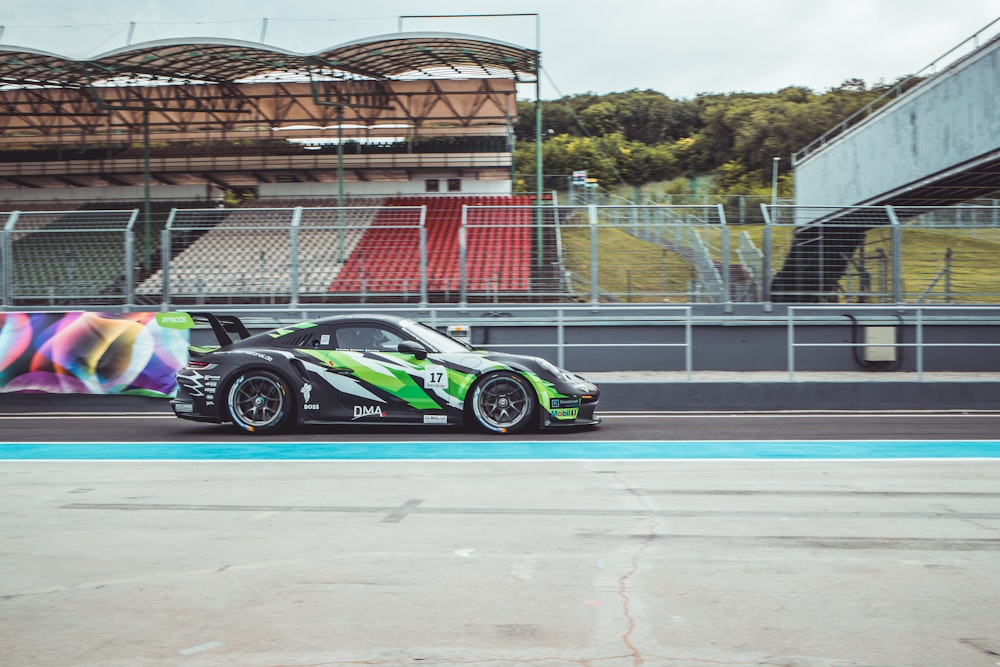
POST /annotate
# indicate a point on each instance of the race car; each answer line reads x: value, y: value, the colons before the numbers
x: 371, y: 369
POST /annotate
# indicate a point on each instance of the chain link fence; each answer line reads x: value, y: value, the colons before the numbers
x: 80, y: 257
x: 888, y: 255
x: 495, y: 249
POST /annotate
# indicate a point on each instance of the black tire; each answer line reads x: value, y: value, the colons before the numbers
x: 259, y: 402
x: 503, y: 402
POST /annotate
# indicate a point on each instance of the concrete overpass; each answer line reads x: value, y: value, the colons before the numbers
x: 933, y: 140
x: 935, y: 143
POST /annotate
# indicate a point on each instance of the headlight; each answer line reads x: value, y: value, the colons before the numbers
x: 565, y: 376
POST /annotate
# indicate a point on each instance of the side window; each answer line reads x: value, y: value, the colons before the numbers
x: 367, y: 337
x: 318, y: 338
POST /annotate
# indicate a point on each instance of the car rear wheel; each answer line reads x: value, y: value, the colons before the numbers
x: 259, y: 402
x: 503, y: 402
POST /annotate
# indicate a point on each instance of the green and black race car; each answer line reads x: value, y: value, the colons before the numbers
x: 372, y: 369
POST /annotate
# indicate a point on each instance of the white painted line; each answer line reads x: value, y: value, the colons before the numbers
x: 199, y: 648
x: 799, y: 415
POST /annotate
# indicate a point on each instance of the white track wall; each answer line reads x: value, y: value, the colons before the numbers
x: 945, y: 123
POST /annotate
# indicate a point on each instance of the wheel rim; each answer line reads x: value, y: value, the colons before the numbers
x: 502, y: 402
x: 257, y: 401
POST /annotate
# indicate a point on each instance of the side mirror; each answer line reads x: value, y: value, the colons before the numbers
x: 414, y: 348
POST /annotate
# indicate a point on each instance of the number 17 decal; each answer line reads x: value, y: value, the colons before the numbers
x: 436, y: 377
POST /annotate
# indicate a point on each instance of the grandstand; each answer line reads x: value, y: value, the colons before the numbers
x: 409, y: 114
x: 400, y: 247
x: 212, y: 146
x: 498, y: 256
x: 252, y: 251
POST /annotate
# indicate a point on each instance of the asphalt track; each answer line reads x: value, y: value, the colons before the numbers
x: 856, y: 539
x: 158, y: 425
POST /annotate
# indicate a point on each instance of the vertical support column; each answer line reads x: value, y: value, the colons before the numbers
x: 538, y: 218
x: 539, y: 237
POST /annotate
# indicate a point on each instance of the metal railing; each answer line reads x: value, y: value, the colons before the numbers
x: 969, y: 45
x: 892, y: 325
x: 935, y: 340
x: 558, y: 323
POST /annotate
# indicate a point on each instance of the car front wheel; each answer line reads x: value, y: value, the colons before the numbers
x: 259, y: 402
x: 503, y: 402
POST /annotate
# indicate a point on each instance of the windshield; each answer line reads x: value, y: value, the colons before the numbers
x: 439, y: 341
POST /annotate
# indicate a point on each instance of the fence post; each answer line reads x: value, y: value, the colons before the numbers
x: 293, y: 256
x: 423, y: 256
x: 727, y: 286
x: 129, y: 267
x: 791, y: 343
x: 560, y: 338
x: 7, y: 261
x: 919, y: 340
x: 897, y: 255
x: 594, y: 287
x: 463, y: 286
x: 165, y: 249
x: 765, y: 287
x: 688, y: 344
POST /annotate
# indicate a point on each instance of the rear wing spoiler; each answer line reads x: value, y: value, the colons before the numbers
x: 223, y: 326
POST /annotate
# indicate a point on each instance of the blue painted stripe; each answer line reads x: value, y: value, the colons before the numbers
x: 502, y: 449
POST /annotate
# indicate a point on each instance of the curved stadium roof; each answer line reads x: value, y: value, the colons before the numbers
x: 397, y: 56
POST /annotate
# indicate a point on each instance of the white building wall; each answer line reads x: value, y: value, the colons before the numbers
x: 381, y: 188
x: 951, y: 119
x: 112, y: 193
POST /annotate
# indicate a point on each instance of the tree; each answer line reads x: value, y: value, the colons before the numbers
x: 642, y: 136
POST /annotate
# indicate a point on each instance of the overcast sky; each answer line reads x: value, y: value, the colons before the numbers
x: 677, y: 47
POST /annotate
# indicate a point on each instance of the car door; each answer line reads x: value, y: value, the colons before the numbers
x: 364, y: 378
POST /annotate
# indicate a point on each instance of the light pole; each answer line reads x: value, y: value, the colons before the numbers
x: 774, y: 180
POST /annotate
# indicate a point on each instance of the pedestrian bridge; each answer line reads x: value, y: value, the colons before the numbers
x: 935, y: 143
x: 932, y: 140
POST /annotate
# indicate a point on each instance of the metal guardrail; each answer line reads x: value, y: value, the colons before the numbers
x: 561, y: 320
x: 670, y: 338
x: 886, y: 324
x: 674, y: 328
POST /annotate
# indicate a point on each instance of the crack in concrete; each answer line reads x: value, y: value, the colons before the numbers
x: 623, y: 581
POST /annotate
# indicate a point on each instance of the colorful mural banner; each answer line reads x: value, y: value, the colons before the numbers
x: 91, y: 353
